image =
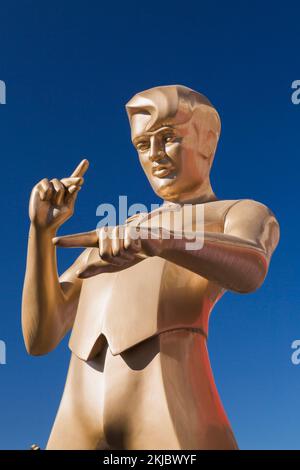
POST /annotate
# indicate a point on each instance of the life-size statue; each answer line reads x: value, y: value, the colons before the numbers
x: 138, y: 307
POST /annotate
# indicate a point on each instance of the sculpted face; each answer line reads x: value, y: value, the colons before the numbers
x: 175, y: 151
x: 173, y: 160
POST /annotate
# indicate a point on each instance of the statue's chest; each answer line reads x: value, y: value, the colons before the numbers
x: 132, y: 285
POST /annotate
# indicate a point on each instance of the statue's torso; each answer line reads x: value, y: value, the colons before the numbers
x: 152, y: 296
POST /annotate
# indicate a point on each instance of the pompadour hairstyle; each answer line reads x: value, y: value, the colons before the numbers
x: 167, y: 103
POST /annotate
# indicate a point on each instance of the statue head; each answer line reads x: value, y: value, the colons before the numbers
x: 175, y: 131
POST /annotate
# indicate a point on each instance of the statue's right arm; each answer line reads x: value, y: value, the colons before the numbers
x: 49, y: 303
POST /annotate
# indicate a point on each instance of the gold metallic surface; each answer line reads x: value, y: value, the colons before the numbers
x: 139, y: 376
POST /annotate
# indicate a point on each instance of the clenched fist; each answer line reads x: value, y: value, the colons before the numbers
x: 52, y: 202
x: 118, y: 247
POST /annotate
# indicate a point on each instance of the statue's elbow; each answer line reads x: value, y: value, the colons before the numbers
x: 36, y: 345
x: 33, y: 351
x: 254, y: 280
x: 34, y: 348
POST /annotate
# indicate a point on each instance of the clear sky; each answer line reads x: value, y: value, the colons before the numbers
x: 69, y: 68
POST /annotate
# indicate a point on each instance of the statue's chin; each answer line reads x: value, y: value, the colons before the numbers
x: 173, y: 192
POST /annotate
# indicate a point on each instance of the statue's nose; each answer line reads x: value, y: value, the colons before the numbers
x: 156, y: 151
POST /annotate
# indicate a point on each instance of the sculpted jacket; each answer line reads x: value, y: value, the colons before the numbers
x: 154, y: 295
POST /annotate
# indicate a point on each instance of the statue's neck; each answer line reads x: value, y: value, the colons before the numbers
x: 203, y: 194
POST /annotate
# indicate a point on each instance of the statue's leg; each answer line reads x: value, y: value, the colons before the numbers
x: 159, y: 394
x: 163, y: 396
x: 79, y: 423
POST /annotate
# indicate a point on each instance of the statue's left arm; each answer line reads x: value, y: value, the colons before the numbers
x: 237, y: 259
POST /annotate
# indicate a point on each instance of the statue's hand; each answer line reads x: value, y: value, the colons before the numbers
x: 119, y: 248
x: 52, y: 202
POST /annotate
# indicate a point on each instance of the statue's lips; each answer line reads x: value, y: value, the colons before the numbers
x: 161, y: 171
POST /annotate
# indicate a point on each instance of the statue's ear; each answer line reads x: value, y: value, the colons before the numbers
x: 210, y: 145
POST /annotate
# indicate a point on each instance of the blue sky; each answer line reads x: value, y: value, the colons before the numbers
x: 69, y: 68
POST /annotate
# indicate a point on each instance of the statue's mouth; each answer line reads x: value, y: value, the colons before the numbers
x: 162, y: 171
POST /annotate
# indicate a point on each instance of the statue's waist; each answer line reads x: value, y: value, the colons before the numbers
x: 124, y: 330
x: 132, y: 305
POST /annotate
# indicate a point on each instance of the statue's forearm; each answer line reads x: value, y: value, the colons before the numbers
x: 234, y: 263
x: 43, y: 298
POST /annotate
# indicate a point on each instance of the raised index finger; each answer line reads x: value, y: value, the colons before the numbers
x: 78, y: 240
x: 80, y: 169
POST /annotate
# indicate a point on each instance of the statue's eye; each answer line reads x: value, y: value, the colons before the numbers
x: 142, y: 146
x: 169, y: 138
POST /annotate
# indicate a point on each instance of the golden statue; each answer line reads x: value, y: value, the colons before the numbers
x: 139, y: 306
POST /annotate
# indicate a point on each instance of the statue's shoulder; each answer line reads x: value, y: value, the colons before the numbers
x: 217, y: 210
x: 237, y: 210
x: 225, y: 206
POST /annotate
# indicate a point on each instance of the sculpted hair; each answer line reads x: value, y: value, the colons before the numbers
x: 174, y: 103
